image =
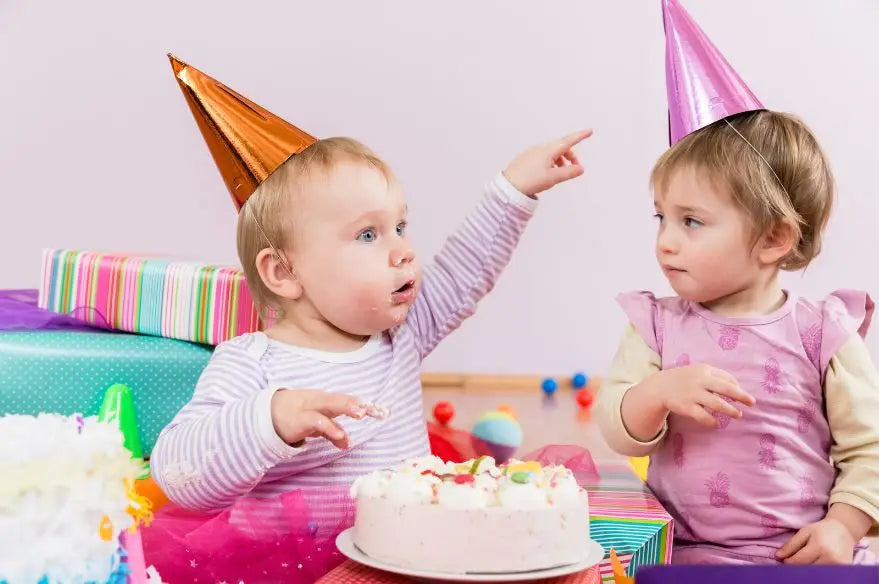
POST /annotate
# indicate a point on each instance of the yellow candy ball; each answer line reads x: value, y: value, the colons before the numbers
x: 105, y: 529
x: 530, y: 466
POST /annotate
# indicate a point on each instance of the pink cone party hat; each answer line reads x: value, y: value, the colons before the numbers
x: 702, y: 86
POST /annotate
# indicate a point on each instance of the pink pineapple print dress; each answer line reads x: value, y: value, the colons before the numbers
x: 738, y: 492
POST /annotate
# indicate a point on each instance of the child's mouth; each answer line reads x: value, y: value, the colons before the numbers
x: 404, y: 293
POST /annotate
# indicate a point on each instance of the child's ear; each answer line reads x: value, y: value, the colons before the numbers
x: 777, y: 243
x: 278, y: 276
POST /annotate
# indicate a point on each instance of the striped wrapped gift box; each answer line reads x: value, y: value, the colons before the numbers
x: 174, y: 299
x: 626, y: 516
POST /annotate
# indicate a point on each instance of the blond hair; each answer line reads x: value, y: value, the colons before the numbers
x: 266, y: 221
x: 791, y: 183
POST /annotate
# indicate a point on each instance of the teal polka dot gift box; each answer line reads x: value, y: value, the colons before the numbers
x: 50, y: 365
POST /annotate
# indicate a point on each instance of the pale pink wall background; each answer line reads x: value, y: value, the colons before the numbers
x: 99, y: 150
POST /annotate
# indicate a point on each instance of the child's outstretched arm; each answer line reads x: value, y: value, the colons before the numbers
x: 851, y: 395
x: 471, y: 260
x: 235, y: 429
x: 637, y: 396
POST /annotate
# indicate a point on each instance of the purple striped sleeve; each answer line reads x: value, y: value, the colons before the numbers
x: 222, y: 443
x: 469, y: 263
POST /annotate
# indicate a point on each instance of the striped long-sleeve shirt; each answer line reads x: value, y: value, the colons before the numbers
x: 222, y: 444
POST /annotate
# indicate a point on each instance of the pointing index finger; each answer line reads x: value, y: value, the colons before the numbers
x: 569, y: 142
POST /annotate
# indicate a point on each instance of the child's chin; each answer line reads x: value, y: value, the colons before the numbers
x: 399, y: 314
x: 704, y: 299
x: 392, y: 318
x: 687, y: 293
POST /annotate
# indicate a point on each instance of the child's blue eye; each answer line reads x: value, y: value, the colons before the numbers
x: 367, y: 235
x: 658, y: 216
x: 401, y: 228
x: 692, y: 223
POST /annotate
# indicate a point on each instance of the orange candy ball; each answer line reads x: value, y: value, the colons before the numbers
x: 507, y: 410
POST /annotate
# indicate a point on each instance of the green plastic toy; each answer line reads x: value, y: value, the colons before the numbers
x: 118, y: 407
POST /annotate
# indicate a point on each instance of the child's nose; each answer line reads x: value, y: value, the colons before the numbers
x: 666, y: 242
x: 401, y: 256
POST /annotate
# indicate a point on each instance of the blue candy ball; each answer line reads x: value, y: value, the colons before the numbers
x: 579, y: 380
x: 549, y: 386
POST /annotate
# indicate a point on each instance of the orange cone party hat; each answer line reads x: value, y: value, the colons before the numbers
x: 248, y: 142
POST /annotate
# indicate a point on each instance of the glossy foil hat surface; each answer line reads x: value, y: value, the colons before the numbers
x: 247, y: 142
x: 702, y: 86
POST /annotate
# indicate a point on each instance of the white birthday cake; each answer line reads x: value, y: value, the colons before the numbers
x: 472, y: 517
x: 66, y: 494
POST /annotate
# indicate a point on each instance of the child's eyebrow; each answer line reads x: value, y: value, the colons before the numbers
x: 689, y: 209
x: 373, y: 216
x: 377, y: 215
x: 682, y: 208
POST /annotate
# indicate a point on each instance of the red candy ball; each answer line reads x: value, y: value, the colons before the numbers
x: 585, y: 398
x: 443, y: 412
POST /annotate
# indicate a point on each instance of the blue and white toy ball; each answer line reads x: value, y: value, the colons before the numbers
x: 497, y: 434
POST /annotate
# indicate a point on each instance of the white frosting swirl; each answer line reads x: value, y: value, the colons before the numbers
x: 563, y: 489
x: 410, y: 488
x: 374, y: 484
x: 433, y: 464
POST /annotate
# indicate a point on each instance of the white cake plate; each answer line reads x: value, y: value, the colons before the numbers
x: 593, y: 554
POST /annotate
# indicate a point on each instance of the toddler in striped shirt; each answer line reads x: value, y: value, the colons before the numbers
x: 332, y: 389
